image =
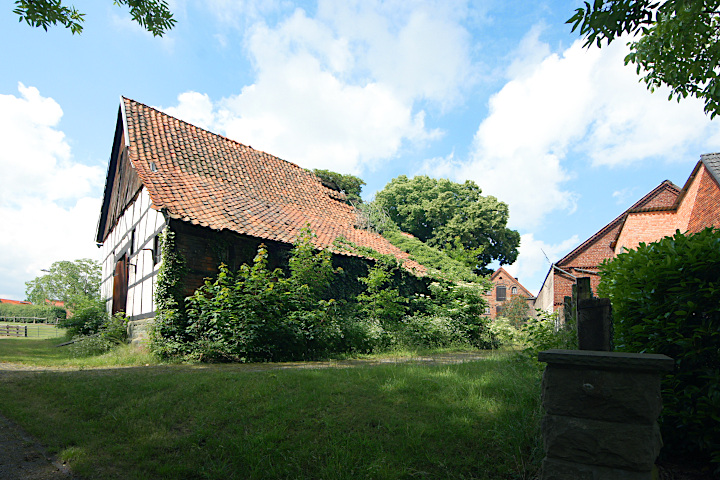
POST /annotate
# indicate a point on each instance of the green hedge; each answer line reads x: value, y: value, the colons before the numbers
x: 37, y: 311
x: 666, y: 300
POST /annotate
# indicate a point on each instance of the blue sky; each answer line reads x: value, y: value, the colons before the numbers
x: 499, y: 92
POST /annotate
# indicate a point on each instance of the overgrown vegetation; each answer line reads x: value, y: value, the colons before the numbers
x: 258, y: 314
x: 665, y: 300
x: 168, y: 335
x: 112, y: 332
x: 453, y: 217
x: 350, y: 184
x: 545, y: 332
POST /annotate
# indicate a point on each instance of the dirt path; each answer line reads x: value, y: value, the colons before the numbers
x: 23, y: 458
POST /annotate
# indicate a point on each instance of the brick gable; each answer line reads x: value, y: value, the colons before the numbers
x: 660, y: 213
x: 502, y: 278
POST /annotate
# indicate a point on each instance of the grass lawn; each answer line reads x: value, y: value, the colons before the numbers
x: 45, y: 353
x: 37, y: 330
x: 402, y: 421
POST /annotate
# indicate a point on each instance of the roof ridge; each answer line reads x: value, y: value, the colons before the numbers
x: 619, y: 218
x: 208, y: 131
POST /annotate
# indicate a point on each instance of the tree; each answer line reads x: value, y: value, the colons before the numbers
x: 675, y: 42
x: 153, y: 15
x: 516, y: 310
x: 350, y: 184
x: 70, y: 282
x: 452, y: 216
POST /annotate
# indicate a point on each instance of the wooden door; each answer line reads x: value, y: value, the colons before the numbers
x: 120, y: 285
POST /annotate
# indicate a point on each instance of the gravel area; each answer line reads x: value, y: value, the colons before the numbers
x: 23, y: 458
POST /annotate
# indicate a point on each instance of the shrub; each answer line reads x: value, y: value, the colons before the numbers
x: 545, y: 332
x: 665, y: 298
x: 257, y: 314
x: 504, y: 332
x: 381, y: 301
x: 428, y: 331
x: 111, y: 333
x: 89, y: 315
x: 463, y: 303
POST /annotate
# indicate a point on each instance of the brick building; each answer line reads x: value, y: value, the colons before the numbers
x: 505, y: 287
x: 660, y: 213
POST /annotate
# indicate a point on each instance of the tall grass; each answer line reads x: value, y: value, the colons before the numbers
x: 47, y: 353
x: 474, y: 420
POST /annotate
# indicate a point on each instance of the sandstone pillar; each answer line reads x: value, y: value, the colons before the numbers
x: 601, y: 411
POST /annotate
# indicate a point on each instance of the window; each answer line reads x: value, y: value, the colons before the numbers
x: 500, y: 293
x: 156, y: 250
x: 514, y: 290
x: 498, y: 310
x: 487, y: 310
x: 132, y: 242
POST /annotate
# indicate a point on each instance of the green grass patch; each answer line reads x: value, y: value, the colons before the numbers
x: 473, y: 420
x: 37, y: 330
x: 46, y: 353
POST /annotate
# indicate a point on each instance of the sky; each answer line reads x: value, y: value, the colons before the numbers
x: 500, y: 92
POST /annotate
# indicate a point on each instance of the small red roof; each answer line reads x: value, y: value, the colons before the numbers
x: 14, y: 302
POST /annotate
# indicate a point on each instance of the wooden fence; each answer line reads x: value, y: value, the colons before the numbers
x: 14, y: 330
x: 30, y: 330
x: 49, y: 320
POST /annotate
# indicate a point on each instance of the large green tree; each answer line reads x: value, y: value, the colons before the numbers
x: 71, y: 282
x: 152, y: 15
x: 674, y: 42
x: 452, y: 216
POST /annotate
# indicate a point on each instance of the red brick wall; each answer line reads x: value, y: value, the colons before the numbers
x: 685, y: 210
x: 706, y: 211
x: 509, y: 282
x: 595, y: 253
x: 646, y: 227
x: 664, y: 198
x: 564, y: 283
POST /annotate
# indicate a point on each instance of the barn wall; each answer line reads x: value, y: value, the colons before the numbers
x: 146, y: 223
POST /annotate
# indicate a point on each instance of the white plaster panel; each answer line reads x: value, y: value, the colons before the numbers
x: 147, y: 296
x: 130, y: 301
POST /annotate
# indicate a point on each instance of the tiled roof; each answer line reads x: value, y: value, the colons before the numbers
x: 712, y: 163
x: 645, y: 203
x: 212, y: 181
x: 14, y: 302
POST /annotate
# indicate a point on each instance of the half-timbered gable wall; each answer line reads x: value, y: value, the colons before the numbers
x: 130, y: 259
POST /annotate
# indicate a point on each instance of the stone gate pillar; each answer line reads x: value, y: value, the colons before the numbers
x: 601, y: 411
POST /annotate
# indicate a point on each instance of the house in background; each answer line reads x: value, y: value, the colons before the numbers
x: 14, y: 302
x: 505, y: 287
x: 221, y: 198
x: 660, y: 213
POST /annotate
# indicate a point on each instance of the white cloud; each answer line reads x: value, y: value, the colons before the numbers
x: 581, y: 101
x: 195, y: 108
x: 45, y: 197
x: 532, y: 262
x: 342, y: 89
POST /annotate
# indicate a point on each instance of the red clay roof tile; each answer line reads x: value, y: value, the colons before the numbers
x: 204, y: 178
